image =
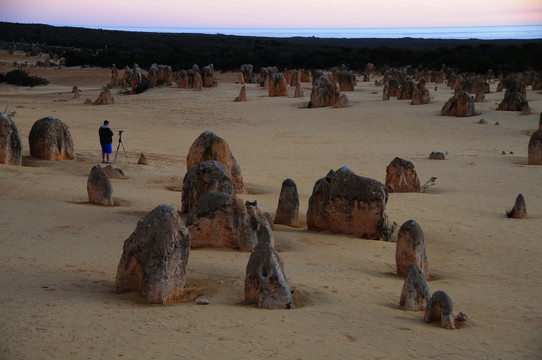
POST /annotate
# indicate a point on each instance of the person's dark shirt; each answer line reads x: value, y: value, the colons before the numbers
x: 106, y: 135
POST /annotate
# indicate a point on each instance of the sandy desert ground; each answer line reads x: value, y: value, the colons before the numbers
x: 59, y: 254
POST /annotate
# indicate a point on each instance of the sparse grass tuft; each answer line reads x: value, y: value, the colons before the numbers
x: 428, y: 184
x: 10, y: 114
x: 386, y: 227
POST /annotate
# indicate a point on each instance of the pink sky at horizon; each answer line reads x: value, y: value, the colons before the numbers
x: 284, y: 14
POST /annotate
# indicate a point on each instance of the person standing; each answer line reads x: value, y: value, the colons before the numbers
x: 106, y: 140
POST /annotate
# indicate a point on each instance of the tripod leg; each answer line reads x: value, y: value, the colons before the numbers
x: 123, y: 148
x: 117, y: 152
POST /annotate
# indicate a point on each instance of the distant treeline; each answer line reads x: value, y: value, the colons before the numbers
x: 81, y: 46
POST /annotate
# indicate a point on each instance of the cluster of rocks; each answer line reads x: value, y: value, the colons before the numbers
x: 411, y: 263
x: 326, y: 93
x: 398, y: 83
x: 190, y: 79
x: 160, y: 75
x: 477, y: 84
x: 531, y: 78
x: 265, y: 74
x: 345, y: 78
x: 157, y: 75
x: 155, y: 256
x: 216, y: 216
x: 49, y: 139
x: 271, y: 79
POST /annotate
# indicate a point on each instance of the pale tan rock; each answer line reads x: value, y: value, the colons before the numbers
x: 246, y: 70
x: 346, y: 203
x: 206, y: 176
x: 208, y: 76
x: 288, y: 207
x: 50, y: 139
x: 99, y: 189
x: 324, y: 93
x: 198, y: 82
x: 222, y: 220
x: 209, y: 146
x: 114, y: 173
x: 410, y: 248
x: 105, y: 97
x: 519, y: 211
x: 440, y: 307
x: 142, y: 160
x: 534, y: 149
x: 266, y: 284
x: 10, y: 142
x: 347, y: 80
x: 460, y: 105
x: 297, y: 92
x: 242, y: 95
x: 155, y: 257
x: 277, y: 85
x: 415, y: 293
x: 401, y: 176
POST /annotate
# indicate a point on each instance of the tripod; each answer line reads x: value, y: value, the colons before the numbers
x: 118, y: 146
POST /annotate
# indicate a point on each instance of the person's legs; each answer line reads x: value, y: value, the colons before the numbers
x: 108, y: 151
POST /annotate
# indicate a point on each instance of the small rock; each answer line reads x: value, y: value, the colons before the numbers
x: 461, y: 316
x: 440, y: 307
x: 519, y: 211
x: 482, y: 121
x: 114, y: 173
x: 202, y: 300
x: 437, y: 155
x: 142, y: 160
x: 503, y: 152
x: 497, y: 123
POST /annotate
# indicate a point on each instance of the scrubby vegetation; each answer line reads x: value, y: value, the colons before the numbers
x: 386, y: 227
x: 80, y: 46
x: 22, y: 78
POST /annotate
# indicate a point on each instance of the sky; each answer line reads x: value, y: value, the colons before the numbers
x: 275, y: 14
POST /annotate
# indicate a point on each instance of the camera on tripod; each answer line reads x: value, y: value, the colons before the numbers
x: 123, y: 148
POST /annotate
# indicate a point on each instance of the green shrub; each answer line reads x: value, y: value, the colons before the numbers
x: 22, y: 78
